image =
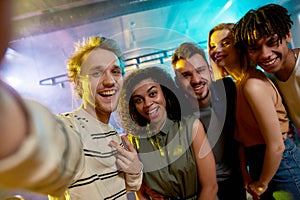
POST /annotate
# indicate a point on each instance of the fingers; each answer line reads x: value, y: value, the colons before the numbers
x: 122, y: 154
x: 121, y: 159
x: 113, y: 143
x: 127, y: 159
x: 257, y: 189
x: 127, y: 143
x: 120, y: 148
x: 121, y: 162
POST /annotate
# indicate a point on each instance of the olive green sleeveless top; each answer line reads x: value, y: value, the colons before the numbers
x: 169, y: 163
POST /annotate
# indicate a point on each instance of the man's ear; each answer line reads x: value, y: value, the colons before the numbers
x: 289, y: 37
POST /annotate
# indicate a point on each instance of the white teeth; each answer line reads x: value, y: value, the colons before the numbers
x: 152, y: 111
x: 270, y: 62
x: 107, y: 93
x: 199, y: 87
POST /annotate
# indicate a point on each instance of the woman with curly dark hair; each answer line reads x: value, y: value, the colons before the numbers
x: 172, y: 145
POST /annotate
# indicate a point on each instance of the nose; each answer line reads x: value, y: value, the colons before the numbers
x: 265, y: 52
x: 113, y: 79
x: 195, y: 79
x: 214, y: 52
x: 218, y: 49
x: 108, y: 79
x: 148, y: 102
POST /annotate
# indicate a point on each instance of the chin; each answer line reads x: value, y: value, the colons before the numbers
x: 270, y: 71
x: 203, y: 96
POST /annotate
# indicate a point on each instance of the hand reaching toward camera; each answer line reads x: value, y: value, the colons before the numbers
x: 127, y: 158
x: 12, y: 109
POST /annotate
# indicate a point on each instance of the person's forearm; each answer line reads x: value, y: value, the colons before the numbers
x: 33, y: 146
x: 13, y: 120
x: 208, y: 193
x: 271, y: 163
x: 49, y: 157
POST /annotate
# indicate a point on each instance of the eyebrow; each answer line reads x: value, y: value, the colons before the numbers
x: 151, y: 88
x: 185, y: 71
x: 97, y: 67
x: 102, y: 67
x: 137, y: 95
x: 201, y: 66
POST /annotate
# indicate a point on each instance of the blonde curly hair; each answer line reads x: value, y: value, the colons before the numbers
x: 84, y: 47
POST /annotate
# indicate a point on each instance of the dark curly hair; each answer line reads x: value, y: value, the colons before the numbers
x: 265, y: 21
x: 127, y: 110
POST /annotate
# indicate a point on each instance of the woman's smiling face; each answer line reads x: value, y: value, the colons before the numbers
x: 222, y: 50
x: 150, y: 102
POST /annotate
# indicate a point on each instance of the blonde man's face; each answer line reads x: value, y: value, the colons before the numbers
x: 101, y: 81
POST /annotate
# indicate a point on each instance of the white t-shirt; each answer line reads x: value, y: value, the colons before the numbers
x: 290, y: 92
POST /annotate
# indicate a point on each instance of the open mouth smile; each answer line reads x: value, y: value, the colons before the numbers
x: 270, y: 62
x: 152, y: 111
x: 107, y: 93
x: 199, y: 86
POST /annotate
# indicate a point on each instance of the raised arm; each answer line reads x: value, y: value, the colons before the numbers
x: 38, y: 152
x: 13, y: 121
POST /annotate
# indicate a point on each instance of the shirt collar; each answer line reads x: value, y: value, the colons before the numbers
x: 166, y: 126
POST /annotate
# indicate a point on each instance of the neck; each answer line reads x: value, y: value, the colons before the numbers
x: 100, y: 116
x: 204, y: 101
x: 237, y: 73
